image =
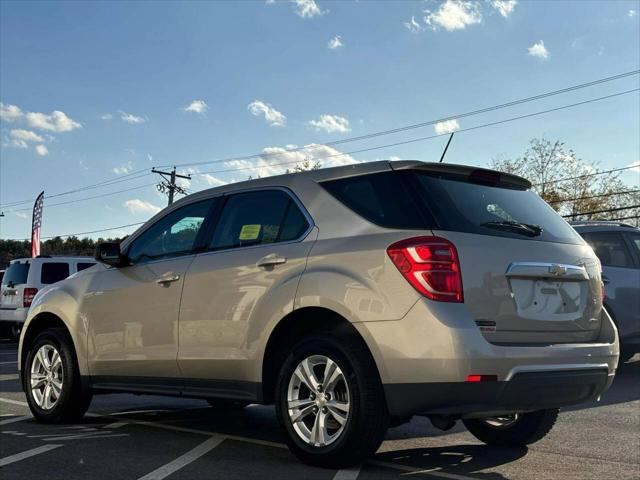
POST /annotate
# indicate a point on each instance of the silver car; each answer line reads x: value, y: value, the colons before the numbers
x: 617, y: 245
x: 351, y: 298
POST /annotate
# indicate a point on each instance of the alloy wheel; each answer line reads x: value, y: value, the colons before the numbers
x: 46, y: 377
x: 318, y: 400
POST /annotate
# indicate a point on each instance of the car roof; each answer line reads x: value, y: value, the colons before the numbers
x: 602, y: 226
x: 47, y: 258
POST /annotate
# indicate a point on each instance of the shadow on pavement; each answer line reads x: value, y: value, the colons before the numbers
x: 456, y: 459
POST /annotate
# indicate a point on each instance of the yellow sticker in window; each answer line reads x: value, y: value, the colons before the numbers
x: 250, y: 232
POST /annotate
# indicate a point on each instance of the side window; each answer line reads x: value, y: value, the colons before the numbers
x: 381, y: 198
x: 54, y: 272
x: 634, y: 241
x: 610, y: 248
x: 254, y: 218
x: 171, y: 236
x: 84, y: 266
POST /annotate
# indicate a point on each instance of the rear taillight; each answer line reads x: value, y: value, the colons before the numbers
x: 27, y: 296
x: 430, y: 265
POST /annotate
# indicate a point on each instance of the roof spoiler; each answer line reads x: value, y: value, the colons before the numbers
x: 466, y: 173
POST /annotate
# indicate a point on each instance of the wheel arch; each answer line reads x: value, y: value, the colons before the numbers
x: 296, y: 325
x: 38, y: 324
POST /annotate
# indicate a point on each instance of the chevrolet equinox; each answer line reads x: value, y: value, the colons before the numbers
x: 352, y: 298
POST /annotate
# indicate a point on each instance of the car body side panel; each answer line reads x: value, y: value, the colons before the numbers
x: 623, y: 298
x: 229, y: 306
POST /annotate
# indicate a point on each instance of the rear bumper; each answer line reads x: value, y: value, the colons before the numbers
x: 525, y: 391
x: 18, y: 315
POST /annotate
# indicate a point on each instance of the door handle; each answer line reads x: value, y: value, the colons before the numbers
x: 271, y: 260
x: 167, y: 279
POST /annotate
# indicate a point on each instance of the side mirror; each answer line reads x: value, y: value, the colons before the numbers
x: 109, y: 253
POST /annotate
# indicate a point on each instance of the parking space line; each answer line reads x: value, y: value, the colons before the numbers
x: 115, y: 425
x: 14, y: 402
x: 8, y: 377
x: 347, y: 473
x: 414, y: 470
x: 185, y: 459
x: 14, y: 419
x: 27, y: 454
x: 7, y: 363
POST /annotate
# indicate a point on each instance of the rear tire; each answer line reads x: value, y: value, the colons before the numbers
x: 227, y: 405
x: 52, y: 381
x: 527, y: 428
x: 350, y: 412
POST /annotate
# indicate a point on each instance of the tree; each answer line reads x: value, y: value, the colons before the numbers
x: 575, y: 189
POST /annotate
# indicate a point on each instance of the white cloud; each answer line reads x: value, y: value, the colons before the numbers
x: 335, y: 43
x: 9, y: 113
x: 447, y: 126
x: 140, y: 206
x: 504, y: 7
x: 20, y: 215
x: 538, y: 50
x: 394, y: 158
x: 42, y: 150
x: 123, y: 169
x: 197, y: 106
x: 271, y: 115
x: 106, y: 116
x: 307, y: 8
x: 631, y: 13
x: 57, y: 121
x: 25, y: 135
x: 213, y: 181
x: 131, y: 118
x: 331, y: 123
x: 413, y: 25
x: 276, y: 160
x: 635, y: 166
x: 454, y: 15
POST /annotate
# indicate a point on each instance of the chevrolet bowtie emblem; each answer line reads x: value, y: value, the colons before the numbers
x: 557, y: 270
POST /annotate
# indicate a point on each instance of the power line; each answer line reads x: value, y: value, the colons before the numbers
x: 608, y: 210
x: 610, y: 194
x: 106, y: 183
x: 87, y: 233
x: 357, y: 138
x: 427, y: 123
x: 420, y: 139
x: 587, y: 175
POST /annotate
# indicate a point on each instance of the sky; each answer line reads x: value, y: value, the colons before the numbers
x: 95, y: 92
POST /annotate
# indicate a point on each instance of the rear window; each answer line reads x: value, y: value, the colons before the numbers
x: 16, y: 274
x: 54, y: 272
x: 425, y: 200
x: 478, y: 208
x: 84, y: 266
x: 380, y: 198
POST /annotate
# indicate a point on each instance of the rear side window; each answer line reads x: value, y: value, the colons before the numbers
x: 610, y: 248
x: 54, y: 272
x: 381, y: 198
x: 254, y: 218
x: 16, y: 274
x: 84, y: 266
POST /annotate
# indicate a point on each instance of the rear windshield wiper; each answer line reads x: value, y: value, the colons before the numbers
x: 517, y: 227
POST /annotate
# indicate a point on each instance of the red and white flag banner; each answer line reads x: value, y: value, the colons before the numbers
x: 36, y: 223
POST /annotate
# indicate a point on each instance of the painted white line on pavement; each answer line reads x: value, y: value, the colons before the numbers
x: 115, y: 425
x: 414, y: 470
x: 9, y: 377
x: 185, y: 459
x: 26, y: 454
x: 14, y: 402
x: 7, y: 363
x: 14, y: 419
x: 347, y: 473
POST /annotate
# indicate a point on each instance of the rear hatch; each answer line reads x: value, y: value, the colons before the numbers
x: 527, y: 276
x: 13, y: 284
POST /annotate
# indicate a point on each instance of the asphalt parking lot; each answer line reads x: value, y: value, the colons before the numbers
x: 133, y: 437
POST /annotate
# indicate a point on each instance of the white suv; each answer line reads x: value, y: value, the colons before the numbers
x: 25, y: 277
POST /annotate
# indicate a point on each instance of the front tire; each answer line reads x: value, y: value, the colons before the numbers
x: 52, y: 379
x: 330, y: 402
x: 516, y: 430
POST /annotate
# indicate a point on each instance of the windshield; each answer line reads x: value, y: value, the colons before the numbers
x: 16, y: 274
x: 489, y: 210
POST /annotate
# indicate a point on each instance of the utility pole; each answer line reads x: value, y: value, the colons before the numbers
x: 169, y: 184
